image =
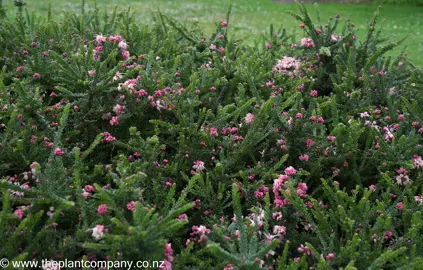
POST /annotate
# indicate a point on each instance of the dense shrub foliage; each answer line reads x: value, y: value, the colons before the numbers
x: 123, y: 141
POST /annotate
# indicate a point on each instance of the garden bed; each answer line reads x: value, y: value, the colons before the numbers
x: 127, y: 142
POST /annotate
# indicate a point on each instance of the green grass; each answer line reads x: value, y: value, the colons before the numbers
x: 255, y: 16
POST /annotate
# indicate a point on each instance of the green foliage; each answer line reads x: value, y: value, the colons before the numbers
x: 127, y: 141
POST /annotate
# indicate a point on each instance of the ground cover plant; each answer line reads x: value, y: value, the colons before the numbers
x: 251, y: 18
x: 126, y: 141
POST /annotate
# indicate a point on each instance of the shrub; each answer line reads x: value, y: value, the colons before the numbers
x: 123, y: 141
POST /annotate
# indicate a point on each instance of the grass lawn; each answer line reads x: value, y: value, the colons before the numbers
x: 255, y: 16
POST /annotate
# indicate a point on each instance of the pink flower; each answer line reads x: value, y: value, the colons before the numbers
x: 309, y: 143
x: 168, y: 252
x: 304, y: 157
x: 334, y: 37
x: 418, y: 161
x: 307, y: 42
x: 212, y: 47
x: 123, y: 45
x: 102, y: 209
x: 400, y: 206
x: 330, y: 256
x: 287, y: 66
x: 125, y: 55
x: 108, y: 137
x: 19, y: 213
x: 229, y: 267
x: 183, y: 217
x: 331, y: 138
x: 114, y: 121
x: 364, y: 115
x: 419, y: 199
x: 279, y: 230
x: 213, y: 132
x: 299, y: 115
x: 89, y: 188
x: 58, y: 152
x: 92, y: 72
x: 98, y: 232
x: 36, y: 75
x: 224, y: 24
x: 100, y: 39
x: 115, y: 38
x: 402, y: 179
x: 313, y: 93
x: 249, y: 118
x: 131, y: 206
x: 290, y: 171
x: 198, y: 166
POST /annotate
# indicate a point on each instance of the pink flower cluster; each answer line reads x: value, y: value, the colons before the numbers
x: 287, y: 66
x: 307, y: 43
x: 108, y: 137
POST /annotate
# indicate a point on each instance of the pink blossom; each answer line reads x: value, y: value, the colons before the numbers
x: 418, y: 161
x: 100, y: 38
x: 419, y: 199
x: 92, y: 72
x: 229, y: 267
x: 313, y: 93
x: 290, y: 171
x: 114, y: 121
x: 102, y: 209
x: 123, y: 45
x: 131, y: 206
x: 36, y: 75
x: 19, y: 213
x: 108, y: 137
x: 309, y: 143
x: 168, y: 252
x: 213, y: 132
x: 279, y: 230
x: 183, y: 217
x: 307, y: 42
x: 249, y: 118
x: 198, y: 166
x: 364, y: 115
x: 400, y: 206
x: 287, y: 66
x: 125, y: 55
x: 330, y: 256
x: 58, y: 152
x: 402, y: 179
x: 304, y: 157
x: 98, y: 232
x: 115, y: 38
